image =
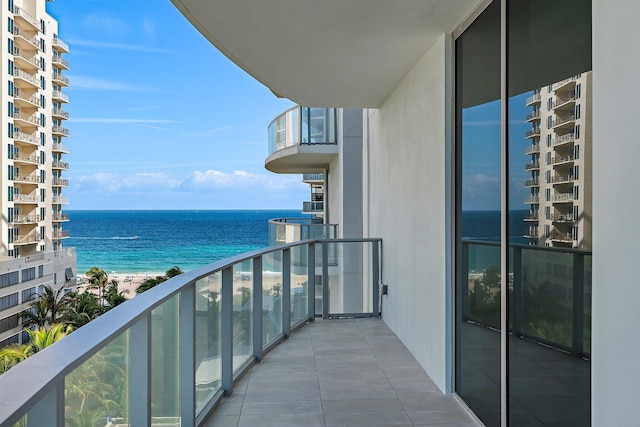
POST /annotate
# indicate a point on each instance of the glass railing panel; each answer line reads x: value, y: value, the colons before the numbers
x: 208, y: 342
x: 547, y: 296
x: 242, y: 309
x: 98, y: 390
x: 349, y: 280
x: 165, y: 360
x: 271, y: 296
x: 481, y: 301
x: 586, y: 343
x: 294, y: 126
x: 299, y: 284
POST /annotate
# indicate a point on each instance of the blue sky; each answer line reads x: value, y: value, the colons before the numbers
x: 159, y: 118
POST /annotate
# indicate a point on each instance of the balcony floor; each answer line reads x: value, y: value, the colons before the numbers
x: 338, y: 373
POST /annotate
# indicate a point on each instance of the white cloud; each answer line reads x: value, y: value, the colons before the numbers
x: 106, y: 24
x: 117, y: 120
x: 137, y: 182
x: 94, y: 83
x: 120, y: 46
x: 213, y: 179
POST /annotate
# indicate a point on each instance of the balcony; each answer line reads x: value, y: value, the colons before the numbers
x: 288, y: 230
x: 302, y: 140
x: 28, y: 239
x: 535, y: 182
x: 59, y: 148
x: 30, y: 159
x: 59, y: 130
x: 533, y: 132
x: 59, y: 217
x: 59, y: 96
x: 60, y: 234
x: 29, y: 199
x: 28, y: 179
x: 207, y: 317
x: 533, y: 99
x: 23, y: 38
x: 57, y: 164
x: 558, y: 160
x: 531, y: 217
x: 26, y: 219
x: 532, y: 165
x: 59, y: 45
x: 557, y: 236
x: 562, y: 198
x: 532, y: 149
x: 59, y: 79
x: 26, y: 120
x: 60, y: 114
x: 312, y: 207
x: 560, y: 103
x: 59, y: 61
x: 22, y: 79
x: 532, y: 200
x: 533, y: 116
x: 562, y: 218
x: 565, y: 84
x: 60, y: 200
x: 563, y: 122
x: 23, y: 17
x: 311, y: 178
x: 568, y: 179
x: 564, y: 139
x: 530, y: 233
x: 26, y: 60
x: 23, y: 98
x: 26, y: 138
x: 59, y: 182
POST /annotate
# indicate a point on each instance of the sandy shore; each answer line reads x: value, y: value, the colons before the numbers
x: 126, y: 281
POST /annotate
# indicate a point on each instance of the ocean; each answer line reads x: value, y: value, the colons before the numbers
x: 152, y: 241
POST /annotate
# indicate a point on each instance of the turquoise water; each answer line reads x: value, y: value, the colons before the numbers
x: 154, y: 241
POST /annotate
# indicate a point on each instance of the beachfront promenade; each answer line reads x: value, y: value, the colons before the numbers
x: 336, y: 373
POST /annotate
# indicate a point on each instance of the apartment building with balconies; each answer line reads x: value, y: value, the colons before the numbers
x: 560, y: 149
x: 32, y: 226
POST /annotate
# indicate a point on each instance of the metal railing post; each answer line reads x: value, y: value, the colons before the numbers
x: 325, y: 280
x: 578, y: 303
x: 286, y: 292
x: 257, y: 308
x: 311, y: 282
x: 376, y: 278
x: 140, y: 372
x: 226, y: 330
x: 187, y: 365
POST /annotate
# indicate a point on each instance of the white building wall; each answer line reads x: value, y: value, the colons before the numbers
x: 616, y: 290
x: 407, y: 208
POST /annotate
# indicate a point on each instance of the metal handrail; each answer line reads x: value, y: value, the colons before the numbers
x: 51, y: 365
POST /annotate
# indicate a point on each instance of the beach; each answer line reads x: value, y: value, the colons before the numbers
x: 127, y: 282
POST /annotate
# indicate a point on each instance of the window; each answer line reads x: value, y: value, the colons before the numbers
x: 43, y: 194
x: 575, y: 192
x: 10, y: 109
x: 9, y: 323
x: 576, y: 152
x: 576, y: 132
x: 43, y: 120
x: 10, y: 47
x: 10, y: 66
x: 28, y: 294
x: 43, y: 213
x: 42, y: 233
x: 577, y: 111
x: 549, y: 122
x: 43, y: 27
x: 8, y: 301
x: 41, y: 269
x: 10, y: 151
x: 43, y: 138
x: 575, y: 213
x: 9, y: 214
x: 10, y: 25
x: 11, y: 88
x: 576, y: 174
x: 42, y: 64
x: 10, y: 10
x: 10, y: 195
x: 548, y: 194
x: 549, y: 103
x: 43, y: 47
x: 547, y: 212
x: 43, y: 82
x: 548, y: 173
x: 28, y: 274
x: 549, y: 140
x: 9, y: 279
x: 578, y: 90
x: 43, y: 175
x: 10, y: 130
x: 43, y: 101
x: 548, y: 158
x: 10, y: 172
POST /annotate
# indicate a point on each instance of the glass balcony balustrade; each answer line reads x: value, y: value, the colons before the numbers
x: 168, y: 356
x: 303, y: 126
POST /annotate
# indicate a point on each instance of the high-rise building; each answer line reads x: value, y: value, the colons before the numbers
x: 560, y: 166
x: 31, y: 184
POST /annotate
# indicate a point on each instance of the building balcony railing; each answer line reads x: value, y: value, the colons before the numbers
x: 26, y: 198
x: 562, y: 198
x: 535, y: 182
x: 31, y: 179
x: 565, y: 82
x: 26, y: 158
x: 25, y: 59
x: 561, y: 237
x: 561, y: 159
x: 60, y: 234
x: 25, y: 137
x: 59, y: 61
x: 24, y: 35
x: 57, y: 164
x: 59, y: 96
x: 26, y: 119
x: 60, y: 79
x: 549, y: 306
x: 310, y: 134
x: 562, y: 218
x: 313, y: 177
x: 208, y: 318
x: 288, y: 230
x: 563, y: 121
x: 533, y: 116
x: 532, y: 200
x: 60, y: 200
x: 532, y: 165
x: 27, y: 77
x: 530, y: 233
x: 23, y: 97
x: 27, y: 239
x: 533, y: 132
x: 59, y: 130
x: 26, y: 219
x: 20, y: 13
x: 533, y: 99
x: 532, y: 149
x: 59, y: 148
x: 59, y: 113
x: 59, y: 217
x: 560, y: 102
x: 60, y: 45
x: 564, y: 139
x: 312, y: 207
x: 531, y: 217
x: 561, y: 179
x: 59, y: 182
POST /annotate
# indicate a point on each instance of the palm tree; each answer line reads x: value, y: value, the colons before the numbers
x: 113, y: 296
x: 98, y: 279
x: 36, y: 315
x: 82, y: 308
x: 155, y: 281
x: 40, y: 339
x: 173, y: 272
x: 56, y: 300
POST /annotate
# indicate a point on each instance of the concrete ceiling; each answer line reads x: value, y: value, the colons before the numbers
x: 326, y: 53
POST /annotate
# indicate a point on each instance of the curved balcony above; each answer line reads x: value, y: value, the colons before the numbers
x: 302, y: 140
x: 312, y: 178
x: 289, y: 230
x: 57, y: 164
x: 59, y: 61
x: 59, y: 79
x: 59, y: 96
x: 60, y: 200
x: 60, y: 234
x: 22, y: 17
x: 24, y: 79
x: 59, y: 45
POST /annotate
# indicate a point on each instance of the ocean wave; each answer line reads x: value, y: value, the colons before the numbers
x: 107, y: 238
